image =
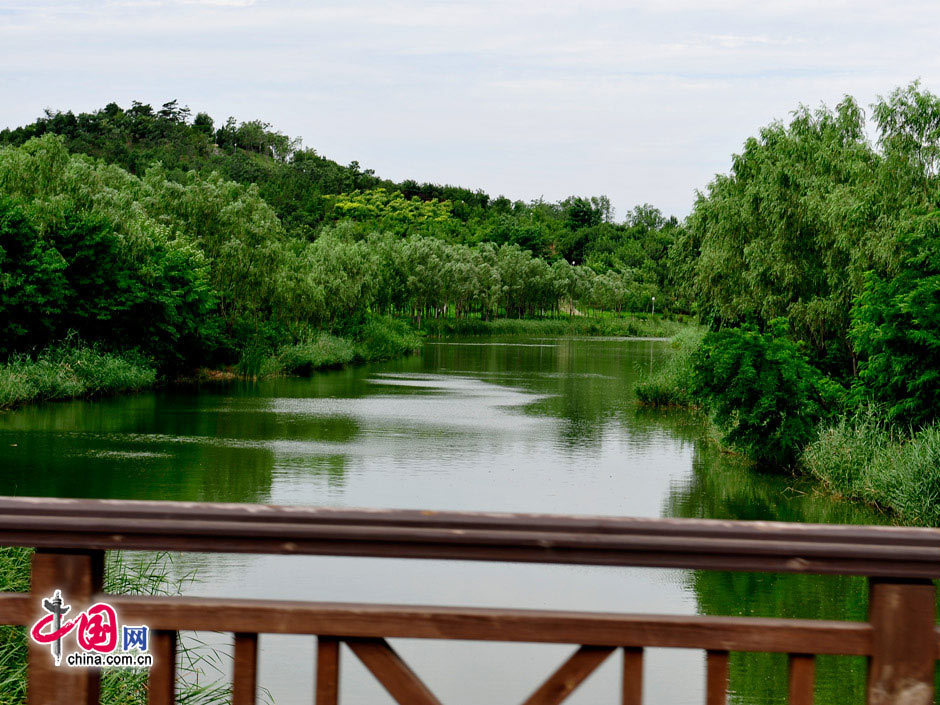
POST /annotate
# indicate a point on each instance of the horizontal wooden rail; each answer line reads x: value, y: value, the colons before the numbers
x: 479, y: 624
x: 900, y: 638
x: 678, y: 543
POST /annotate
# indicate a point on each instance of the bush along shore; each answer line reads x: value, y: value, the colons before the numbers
x: 74, y: 370
x: 815, y: 264
x: 71, y: 370
x: 766, y: 404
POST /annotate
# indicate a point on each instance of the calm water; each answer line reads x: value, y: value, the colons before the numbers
x: 542, y: 425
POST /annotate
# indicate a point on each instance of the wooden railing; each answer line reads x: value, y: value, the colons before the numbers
x: 900, y: 638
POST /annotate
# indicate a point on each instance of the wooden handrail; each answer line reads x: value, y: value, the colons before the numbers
x: 363, y: 620
x: 900, y: 638
x: 666, y: 543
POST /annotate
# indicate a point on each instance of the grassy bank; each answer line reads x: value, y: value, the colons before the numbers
x: 378, y: 338
x: 670, y: 384
x: 639, y: 325
x: 862, y: 458
x: 69, y: 371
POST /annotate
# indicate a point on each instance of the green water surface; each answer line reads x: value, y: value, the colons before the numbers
x: 518, y: 424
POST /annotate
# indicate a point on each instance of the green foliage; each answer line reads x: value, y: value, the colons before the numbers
x: 384, y: 338
x: 173, y: 263
x: 761, y: 392
x: 70, y: 370
x: 319, y: 352
x: 862, y: 457
x: 32, y: 281
x: 390, y: 212
x: 671, y: 383
x: 896, y: 330
x: 307, y: 192
x: 808, y: 209
x: 606, y: 325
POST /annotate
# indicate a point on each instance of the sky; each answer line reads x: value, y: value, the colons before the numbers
x: 641, y: 101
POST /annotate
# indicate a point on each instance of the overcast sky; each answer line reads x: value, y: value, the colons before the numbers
x: 642, y: 101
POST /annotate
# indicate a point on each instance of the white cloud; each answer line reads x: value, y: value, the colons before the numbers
x: 644, y: 101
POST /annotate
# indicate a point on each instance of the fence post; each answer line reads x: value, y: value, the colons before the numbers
x: 79, y: 575
x: 904, y: 645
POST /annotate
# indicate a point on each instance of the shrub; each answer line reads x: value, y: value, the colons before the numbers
x: 896, y: 331
x: 384, y: 337
x: 320, y: 352
x: 78, y: 274
x: 761, y: 392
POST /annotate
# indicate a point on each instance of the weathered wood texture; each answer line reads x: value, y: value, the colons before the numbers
x: 632, y: 683
x: 569, y: 675
x: 490, y: 624
x: 677, y: 543
x: 802, y: 675
x: 245, y: 676
x: 901, y: 667
x: 716, y: 677
x: 900, y: 638
x: 327, y: 676
x: 79, y: 576
x: 393, y: 673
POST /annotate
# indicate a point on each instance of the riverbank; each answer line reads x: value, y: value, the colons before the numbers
x: 378, y: 338
x: 858, y: 457
x: 69, y: 371
x: 74, y: 370
x: 630, y: 326
x: 863, y: 459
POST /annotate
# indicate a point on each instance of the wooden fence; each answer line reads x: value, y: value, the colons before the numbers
x: 900, y: 638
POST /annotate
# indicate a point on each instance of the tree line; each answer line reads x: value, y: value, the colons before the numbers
x: 815, y: 263
x: 191, y: 267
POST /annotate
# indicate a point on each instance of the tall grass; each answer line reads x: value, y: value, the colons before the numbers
x: 863, y: 458
x: 70, y: 370
x: 669, y: 385
x: 637, y: 325
x: 140, y: 574
x: 321, y: 352
x: 384, y: 338
x: 376, y: 338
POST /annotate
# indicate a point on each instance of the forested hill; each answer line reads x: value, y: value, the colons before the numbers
x: 153, y: 233
x: 302, y: 187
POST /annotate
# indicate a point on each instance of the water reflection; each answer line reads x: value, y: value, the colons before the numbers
x: 540, y: 425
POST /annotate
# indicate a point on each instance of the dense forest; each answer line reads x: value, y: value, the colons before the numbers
x: 152, y: 231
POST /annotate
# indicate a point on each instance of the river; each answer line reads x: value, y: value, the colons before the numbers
x: 515, y: 424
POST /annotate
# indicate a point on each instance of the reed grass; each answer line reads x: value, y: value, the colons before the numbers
x: 70, y: 370
x: 630, y: 326
x: 376, y: 338
x: 865, y: 459
x: 669, y: 384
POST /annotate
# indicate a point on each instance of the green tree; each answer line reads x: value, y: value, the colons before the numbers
x: 761, y: 391
x: 896, y: 329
